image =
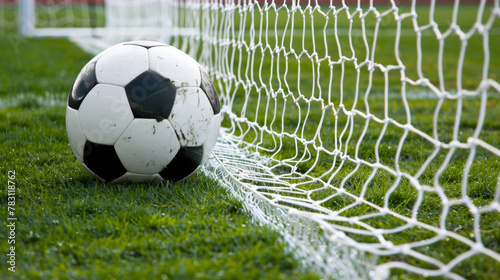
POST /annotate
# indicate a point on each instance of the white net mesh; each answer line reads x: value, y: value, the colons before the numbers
x: 372, y: 121
x: 364, y: 126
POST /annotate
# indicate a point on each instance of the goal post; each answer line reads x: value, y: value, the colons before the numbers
x: 27, y: 17
x: 60, y: 18
x: 366, y: 132
x: 106, y: 22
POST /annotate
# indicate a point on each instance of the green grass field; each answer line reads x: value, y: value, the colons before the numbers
x: 71, y: 226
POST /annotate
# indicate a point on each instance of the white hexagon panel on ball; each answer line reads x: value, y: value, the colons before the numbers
x: 122, y: 64
x: 190, y: 116
x: 75, y: 134
x: 104, y: 114
x: 147, y: 146
x: 211, y: 140
x: 173, y: 64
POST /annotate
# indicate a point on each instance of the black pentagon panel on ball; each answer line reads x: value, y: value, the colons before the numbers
x: 185, y: 162
x: 208, y: 87
x: 85, y: 81
x: 151, y: 96
x: 103, y: 161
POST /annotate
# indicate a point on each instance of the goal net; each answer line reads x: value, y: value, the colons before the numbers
x: 366, y: 132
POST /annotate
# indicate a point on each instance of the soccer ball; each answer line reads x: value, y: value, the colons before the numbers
x: 142, y: 111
